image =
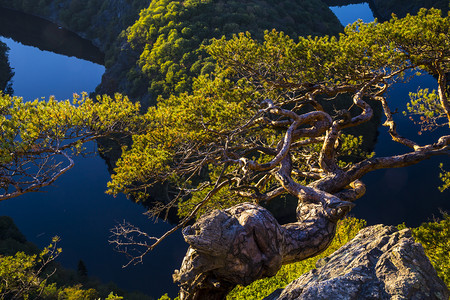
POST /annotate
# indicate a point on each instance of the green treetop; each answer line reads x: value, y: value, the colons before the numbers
x: 170, y: 34
x: 38, y: 139
x: 239, y: 117
x: 255, y: 129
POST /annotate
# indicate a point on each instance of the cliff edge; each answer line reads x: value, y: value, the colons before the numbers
x: 381, y: 262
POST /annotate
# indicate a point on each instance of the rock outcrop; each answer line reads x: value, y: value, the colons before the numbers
x: 379, y: 263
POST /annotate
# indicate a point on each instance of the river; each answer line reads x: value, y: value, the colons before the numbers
x: 77, y: 209
x: 409, y: 194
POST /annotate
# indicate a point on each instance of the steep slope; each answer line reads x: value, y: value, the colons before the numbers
x: 97, y: 20
x: 162, y: 51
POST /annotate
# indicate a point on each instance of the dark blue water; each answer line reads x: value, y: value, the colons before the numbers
x: 409, y: 194
x: 350, y: 13
x: 42, y: 73
x: 76, y: 207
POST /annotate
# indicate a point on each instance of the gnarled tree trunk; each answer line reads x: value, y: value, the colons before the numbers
x: 244, y: 243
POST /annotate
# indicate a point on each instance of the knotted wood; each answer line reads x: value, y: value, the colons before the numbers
x: 244, y: 243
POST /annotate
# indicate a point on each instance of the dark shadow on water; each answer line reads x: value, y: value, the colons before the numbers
x: 33, y: 31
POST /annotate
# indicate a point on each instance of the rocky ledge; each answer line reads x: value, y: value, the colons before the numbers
x: 381, y: 262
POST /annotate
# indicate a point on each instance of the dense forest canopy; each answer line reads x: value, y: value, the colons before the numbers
x: 169, y: 36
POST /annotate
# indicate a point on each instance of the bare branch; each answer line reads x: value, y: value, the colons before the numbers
x: 40, y: 180
x: 393, y: 127
x: 356, y: 190
x: 360, y: 169
x: 126, y: 235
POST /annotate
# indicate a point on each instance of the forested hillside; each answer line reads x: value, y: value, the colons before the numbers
x: 165, y: 45
x: 162, y: 51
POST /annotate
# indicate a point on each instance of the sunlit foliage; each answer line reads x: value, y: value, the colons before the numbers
x: 435, y: 239
x: 190, y: 133
x: 39, y: 138
x: 427, y: 107
x: 169, y: 35
x: 22, y: 276
x: 445, y: 177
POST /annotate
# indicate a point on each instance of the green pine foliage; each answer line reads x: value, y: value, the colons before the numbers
x: 223, y: 101
x: 426, y: 107
x: 445, y: 177
x: 29, y: 127
x: 435, y: 239
x: 23, y: 276
x: 38, y: 137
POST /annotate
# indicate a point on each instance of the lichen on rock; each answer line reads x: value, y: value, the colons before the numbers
x: 381, y: 262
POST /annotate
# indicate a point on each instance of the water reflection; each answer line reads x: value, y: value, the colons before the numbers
x: 409, y: 194
x: 76, y: 207
x: 42, y: 73
x: 40, y: 33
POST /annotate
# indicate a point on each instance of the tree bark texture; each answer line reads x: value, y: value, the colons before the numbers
x: 244, y: 243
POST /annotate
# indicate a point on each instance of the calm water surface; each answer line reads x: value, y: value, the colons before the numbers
x: 408, y: 194
x: 76, y: 207
x: 350, y: 13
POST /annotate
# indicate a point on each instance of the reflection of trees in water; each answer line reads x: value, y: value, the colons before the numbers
x: 6, y: 72
x: 33, y: 31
